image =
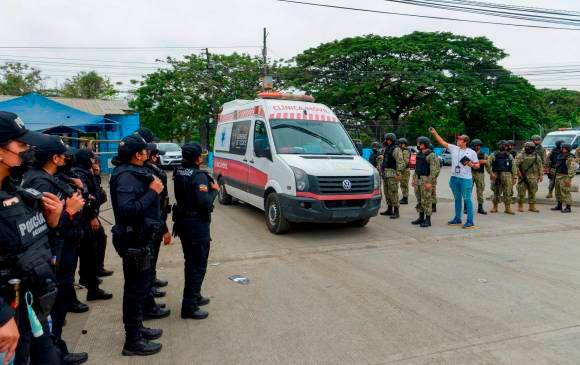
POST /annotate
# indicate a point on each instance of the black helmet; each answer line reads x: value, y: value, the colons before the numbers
x: 536, y: 137
x: 423, y: 140
x: 403, y: 141
x: 502, y: 143
x: 566, y: 146
x: 559, y: 143
x: 390, y: 137
x: 476, y: 142
x: 510, y: 142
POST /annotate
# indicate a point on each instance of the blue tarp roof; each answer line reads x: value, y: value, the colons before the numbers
x: 40, y: 113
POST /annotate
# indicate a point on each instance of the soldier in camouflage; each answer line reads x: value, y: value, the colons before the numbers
x: 539, y: 149
x: 565, y: 172
x: 530, y: 172
x: 551, y: 164
x: 406, y: 175
x: 500, y: 166
x: 424, y: 178
x: 392, y: 165
x: 479, y: 174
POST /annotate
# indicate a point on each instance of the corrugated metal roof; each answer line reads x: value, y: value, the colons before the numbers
x: 93, y: 106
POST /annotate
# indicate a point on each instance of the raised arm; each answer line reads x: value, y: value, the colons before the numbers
x: 438, y: 138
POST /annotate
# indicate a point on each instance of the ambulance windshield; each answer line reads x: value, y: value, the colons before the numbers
x: 308, y: 137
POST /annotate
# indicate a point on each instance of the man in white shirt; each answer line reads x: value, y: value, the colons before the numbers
x: 463, y: 159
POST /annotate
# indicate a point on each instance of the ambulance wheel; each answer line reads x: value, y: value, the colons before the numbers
x: 275, y: 220
x: 223, y: 197
x: 360, y: 223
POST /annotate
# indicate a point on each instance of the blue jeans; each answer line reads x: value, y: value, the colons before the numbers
x: 462, y: 189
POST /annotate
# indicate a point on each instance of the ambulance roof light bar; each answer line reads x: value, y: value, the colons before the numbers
x: 283, y: 96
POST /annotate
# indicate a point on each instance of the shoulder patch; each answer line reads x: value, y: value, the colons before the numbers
x: 203, y: 188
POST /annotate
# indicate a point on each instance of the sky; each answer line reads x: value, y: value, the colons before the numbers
x: 237, y: 25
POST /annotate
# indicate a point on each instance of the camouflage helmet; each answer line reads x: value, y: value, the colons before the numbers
x: 503, y: 142
x: 536, y: 137
x: 510, y: 142
x: 423, y: 140
x: 376, y: 145
x: 529, y: 144
x: 476, y: 142
x: 390, y: 137
x: 403, y: 141
x: 566, y: 146
x: 559, y: 143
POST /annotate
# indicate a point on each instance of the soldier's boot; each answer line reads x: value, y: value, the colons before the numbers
x: 419, y: 220
x: 480, y: 209
x: 557, y: 207
x: 404, y: 201
x: 389, y: 211
x: 395, y: 213
x: 521, y: 207
x: 549, y: 196
x: 533, y: 208
x: 508, y: 209
x: 568, y: 209
x: 434, y: 208
x: 427, y: 222
x: 494, y: 209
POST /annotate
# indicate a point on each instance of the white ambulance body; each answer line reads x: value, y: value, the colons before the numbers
x: 294, y: 160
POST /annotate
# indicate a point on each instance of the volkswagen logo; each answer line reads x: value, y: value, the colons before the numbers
x: 346, y: 185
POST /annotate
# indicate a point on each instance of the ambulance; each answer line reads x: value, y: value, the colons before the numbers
x: 293, y: 159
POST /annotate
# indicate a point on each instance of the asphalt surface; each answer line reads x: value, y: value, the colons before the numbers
x: 389, y: 293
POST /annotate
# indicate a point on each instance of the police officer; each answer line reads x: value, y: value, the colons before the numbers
x: 101, y: 237
x: 26, y: 270
x: 565, y: 172
x: 502, y: 169
x: 375, y: 154
x: 406, y: 174
x: 64, y: 239
x: 134, y: 195
x: 530, y: 172
x: 551, y: 164
x: 479, y: 174
x: 426, y: 171
x: 195, y: 192
x: 89, y: 253
x: 392, y: 166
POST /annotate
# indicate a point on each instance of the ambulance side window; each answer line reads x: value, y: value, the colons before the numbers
x: 239, y: 139
x: 261, y: 144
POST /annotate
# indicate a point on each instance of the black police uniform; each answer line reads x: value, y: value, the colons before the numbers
x: 138, y: 224
x: 100, y: 235
x: 192, y: 216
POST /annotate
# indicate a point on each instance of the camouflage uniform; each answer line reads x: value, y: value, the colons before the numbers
x: 479, y: 179
x: 563, y: 194
x: 504, y: 180
x: 424, y: 196
x: 406, y: 174
x: 530, y: 169
x: 390, y: 184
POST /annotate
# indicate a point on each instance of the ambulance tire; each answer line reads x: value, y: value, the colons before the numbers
x: 360, y: 223
x: 223, y: 197
x: 275, y: 220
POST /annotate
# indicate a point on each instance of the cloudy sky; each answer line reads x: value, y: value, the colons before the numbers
x: 238, y: 24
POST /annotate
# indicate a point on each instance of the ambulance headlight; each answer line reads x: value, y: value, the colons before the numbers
x: 301, y: 179
x: 377, y: 180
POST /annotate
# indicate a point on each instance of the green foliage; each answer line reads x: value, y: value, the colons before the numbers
x: 19, y: 79
x: 561, y: 108
x: 88, y: 85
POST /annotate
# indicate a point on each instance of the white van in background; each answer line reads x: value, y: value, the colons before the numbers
x: 293, y: 159
x: 568, y: 135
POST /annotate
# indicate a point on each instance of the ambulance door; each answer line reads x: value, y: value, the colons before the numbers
x: 259, y: 163
x: 238, y: 163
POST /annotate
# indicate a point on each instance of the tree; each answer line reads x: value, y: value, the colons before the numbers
x: 19, y: 79
x: 88, y: 85
x: 177, y: 102
x: 561, y: 108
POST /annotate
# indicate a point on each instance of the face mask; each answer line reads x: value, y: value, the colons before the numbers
x: 502, y: 148
x: 16, y: 172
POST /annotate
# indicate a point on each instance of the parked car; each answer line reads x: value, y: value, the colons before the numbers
x: 445, y: 158
x: 172, y: 156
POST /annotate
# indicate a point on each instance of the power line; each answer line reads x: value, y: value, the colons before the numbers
x: 127, y: 48
x: 424, y: 16
x: 529, y: 9
x: 85, y: 59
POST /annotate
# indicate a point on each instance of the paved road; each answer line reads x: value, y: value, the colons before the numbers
x: 389, y: 293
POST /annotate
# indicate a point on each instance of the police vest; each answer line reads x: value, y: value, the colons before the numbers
x: 480, y: 156
x: 164, y: 196
x: 24, y: 248
x: 502, y: 162
x: 141, y: 174
x: 554, y: 157
x: 389, y: 161
x: 528, y: 162
x: 562, y: 167
x: 422, y: 168
x: 185, y: 197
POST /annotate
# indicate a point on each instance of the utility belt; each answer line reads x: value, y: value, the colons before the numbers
x: 179, y: 214
x: 140, y: 259
x: 126, y: 238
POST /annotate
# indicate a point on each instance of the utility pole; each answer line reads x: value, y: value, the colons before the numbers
x: 267, y: 83
x: 210, y: 70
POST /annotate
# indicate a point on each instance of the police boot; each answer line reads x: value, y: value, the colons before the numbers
x: 434, y: 208
x: 157, y: 293
x: 567, y: 209
x: 98, y: 294
x: 156, y: 312
x: 104, y: 273
x: 395, y: 213
x: 151, y: 334
x: 508, y: 209
x: 521, y: 207
x: 480, y: 209
x: 201, y: 300
x: 557, y: 207
x: 419, y: 220
x: 494, y: 209
x: 404, y: 201
x: 193, y: 313
x: 75, y: 358
x: 427, y: 222
x: 78, y: 307
x: 140, y: 347
x: 160, y: 283
x: 389, y: 211
x: 533, y: 208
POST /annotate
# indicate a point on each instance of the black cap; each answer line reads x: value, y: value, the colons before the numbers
x: 191, y: 151
x: 53, y: 145
x: 12, y: 128
x: 132, y: 144
x: 147, y: 135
